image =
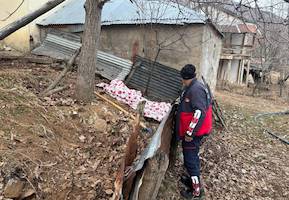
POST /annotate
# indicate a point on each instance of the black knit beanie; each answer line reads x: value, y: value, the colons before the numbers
x: 188, y: 72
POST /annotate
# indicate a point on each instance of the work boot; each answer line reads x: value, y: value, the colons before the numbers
x: 189, y: 194
x: 194, y: 190
x: 186, y: 180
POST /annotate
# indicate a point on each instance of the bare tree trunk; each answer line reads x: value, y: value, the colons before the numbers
x: 14, y: 26
x: 281, y: 89
x: 90, y: 42
x: 282, y: 83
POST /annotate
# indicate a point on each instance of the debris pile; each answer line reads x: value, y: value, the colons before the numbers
x: 53, y: 148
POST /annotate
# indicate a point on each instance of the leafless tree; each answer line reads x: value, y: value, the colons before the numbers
x: 158, y: 42
x: 272, y: 20
x: 282, y: 82
x: 90, y: 42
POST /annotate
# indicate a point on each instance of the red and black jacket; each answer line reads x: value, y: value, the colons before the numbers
x: 194, y: 115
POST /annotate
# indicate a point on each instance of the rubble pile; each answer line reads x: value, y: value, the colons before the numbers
x: 54, y: 148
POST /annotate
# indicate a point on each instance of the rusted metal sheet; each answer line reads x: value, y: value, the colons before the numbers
x: 150, y: 169
x: 156, y: 166
x: 142, y: 178
x: 123, y: 183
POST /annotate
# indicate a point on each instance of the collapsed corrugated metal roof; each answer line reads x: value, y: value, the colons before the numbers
x: 63, y: 46
x: 126, y: 12
x: 164, y: 84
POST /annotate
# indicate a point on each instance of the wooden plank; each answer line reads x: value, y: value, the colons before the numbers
x: 228, y: 72
x: 248, y: 72
x: 226, y: 57
x: 242, y: 71
x: 120, y: 108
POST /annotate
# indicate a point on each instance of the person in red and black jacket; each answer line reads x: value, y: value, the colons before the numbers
x: 193, y: 122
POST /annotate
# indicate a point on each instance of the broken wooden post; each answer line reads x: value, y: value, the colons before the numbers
x: 14, y: 26
x: 248, y: 72
x: 153, y: 176
x: 216, y: 108
x: 120, y: 108
x: 240, y: 73
x: 281, y: 82
x: 228, y: 72
x: 130, y: 155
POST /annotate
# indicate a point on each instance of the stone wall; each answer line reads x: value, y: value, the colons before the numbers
x: 211, y: 52
x: 177, y: 45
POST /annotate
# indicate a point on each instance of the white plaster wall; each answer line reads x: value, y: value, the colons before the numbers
x: 211, y: 51
x: 229, y: 75
x: 20, y: 40
x: 237, y: 39
x: 222, y: 69
x: 33, y: 28
x: 233, y: 76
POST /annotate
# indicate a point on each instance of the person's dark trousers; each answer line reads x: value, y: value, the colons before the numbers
x: 191, y: 156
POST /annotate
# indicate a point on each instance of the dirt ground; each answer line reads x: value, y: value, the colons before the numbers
x: 243, y: 162
x: 55, y: 148
x: 266, y: 91
x: 63, y: 150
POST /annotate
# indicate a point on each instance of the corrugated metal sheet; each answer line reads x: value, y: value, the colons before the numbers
x: 113, y: 67
x: 62, y: 46
x: 126, y: 12
x: 165, y: 83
